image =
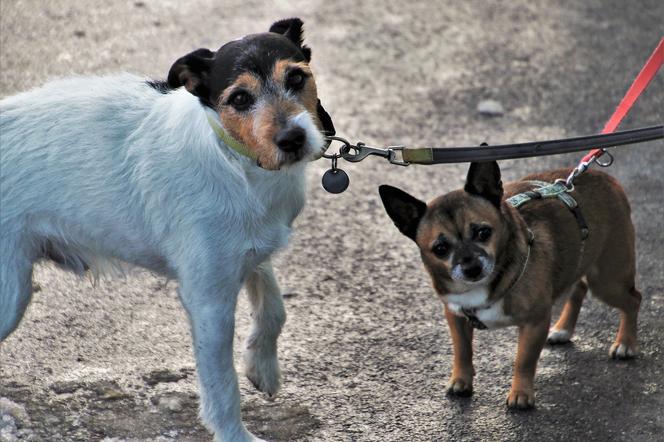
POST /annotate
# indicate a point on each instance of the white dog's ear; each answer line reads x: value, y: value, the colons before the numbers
x: 325, y: 120
x: 405, y: 210
x: 291, y: 28
x: 192, y: 72
x: 484, y: 180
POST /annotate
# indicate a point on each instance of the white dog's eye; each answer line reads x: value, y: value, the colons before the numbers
x: 295, y: 80
x: 240, y: 100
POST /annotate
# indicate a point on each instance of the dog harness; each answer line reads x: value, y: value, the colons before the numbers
x: 558, y: 190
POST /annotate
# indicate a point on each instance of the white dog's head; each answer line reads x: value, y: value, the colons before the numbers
x: 263, y: 90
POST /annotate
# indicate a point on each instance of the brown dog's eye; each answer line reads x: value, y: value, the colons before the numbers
x: 240, y: 100
x: 441, y: 250
x: 295, y: 80
x: 482, y: 234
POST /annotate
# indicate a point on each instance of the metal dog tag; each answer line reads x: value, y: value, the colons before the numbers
x: 335, y: 180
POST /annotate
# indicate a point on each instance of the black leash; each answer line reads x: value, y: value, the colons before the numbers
x: 335, y: 180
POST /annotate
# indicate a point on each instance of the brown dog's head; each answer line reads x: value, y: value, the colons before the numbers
x: 459, y: 234
x: 264, y: 92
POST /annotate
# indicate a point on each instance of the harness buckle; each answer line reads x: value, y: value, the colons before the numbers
x: 473, y: 320
x: 569, y: 184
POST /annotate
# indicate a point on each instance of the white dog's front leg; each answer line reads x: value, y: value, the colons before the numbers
x: 268, y: 313
x: 211, y: 309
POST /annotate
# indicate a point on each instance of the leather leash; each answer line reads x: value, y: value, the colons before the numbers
x: 532, y: 149
x: 335, y: 180
x: 443, y: 155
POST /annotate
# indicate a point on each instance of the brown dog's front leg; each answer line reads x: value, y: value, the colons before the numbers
x: 461, y: 381
x: 532, y: 338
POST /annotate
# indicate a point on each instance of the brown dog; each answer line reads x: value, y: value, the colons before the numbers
x: 497, y: 261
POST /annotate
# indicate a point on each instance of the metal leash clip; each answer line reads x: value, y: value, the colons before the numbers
x: 357, y: 152
x: 336, y: 180
x: 578, y: 170
x: 584, y: 165
x: 361, y: 151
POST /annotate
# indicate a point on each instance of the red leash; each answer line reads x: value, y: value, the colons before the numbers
x: 636, y: 89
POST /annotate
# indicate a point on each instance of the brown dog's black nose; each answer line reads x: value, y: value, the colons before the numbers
x: 473, y: 271
x: 290, y: 140
x: 470, y: 266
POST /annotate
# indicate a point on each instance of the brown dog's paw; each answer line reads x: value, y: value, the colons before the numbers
x: 557, y: 337
x: 459, y: 387
x: 620, y: 350
x: 520, y: 399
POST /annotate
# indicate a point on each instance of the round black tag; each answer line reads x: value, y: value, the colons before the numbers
x: 335, y: 181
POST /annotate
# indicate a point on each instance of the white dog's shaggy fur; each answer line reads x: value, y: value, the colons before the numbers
x: 109, y: 169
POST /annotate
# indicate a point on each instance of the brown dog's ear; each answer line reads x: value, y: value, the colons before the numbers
x: 291, y: 28
x: 405, y: 210
x: 325, y: 120
x: 484, y: 180
x: 191, y: 71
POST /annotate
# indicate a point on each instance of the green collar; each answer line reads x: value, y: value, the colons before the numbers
x: 228, y: 139
x: 236, y: 145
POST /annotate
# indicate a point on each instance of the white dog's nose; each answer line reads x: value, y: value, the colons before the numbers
x: 291, y: 140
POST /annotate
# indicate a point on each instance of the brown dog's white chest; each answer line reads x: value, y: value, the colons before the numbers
x: 475, y: 305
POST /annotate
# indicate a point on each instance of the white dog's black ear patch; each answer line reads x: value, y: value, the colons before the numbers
x: 405, y: 210
x: 192, y: 72
x: 484, y: 180
x: 291, y: 28
x: 325, y: 120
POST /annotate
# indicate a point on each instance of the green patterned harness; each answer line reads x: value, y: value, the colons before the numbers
x: 558, y: 190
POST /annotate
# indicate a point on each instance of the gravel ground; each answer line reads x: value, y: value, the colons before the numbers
x: 365, y: 352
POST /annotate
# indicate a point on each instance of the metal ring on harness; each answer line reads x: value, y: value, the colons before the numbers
x: 569, y: 183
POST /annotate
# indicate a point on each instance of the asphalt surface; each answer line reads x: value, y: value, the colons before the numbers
x: 365, y: 353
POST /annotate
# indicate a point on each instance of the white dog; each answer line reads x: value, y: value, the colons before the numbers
x: 200, y: 183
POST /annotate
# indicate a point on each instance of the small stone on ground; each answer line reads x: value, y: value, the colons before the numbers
x: 491, y: 108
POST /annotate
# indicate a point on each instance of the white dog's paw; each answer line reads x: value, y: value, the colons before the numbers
x: 244, y: 436
x: 263, y: 370
x: 561, y: 336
